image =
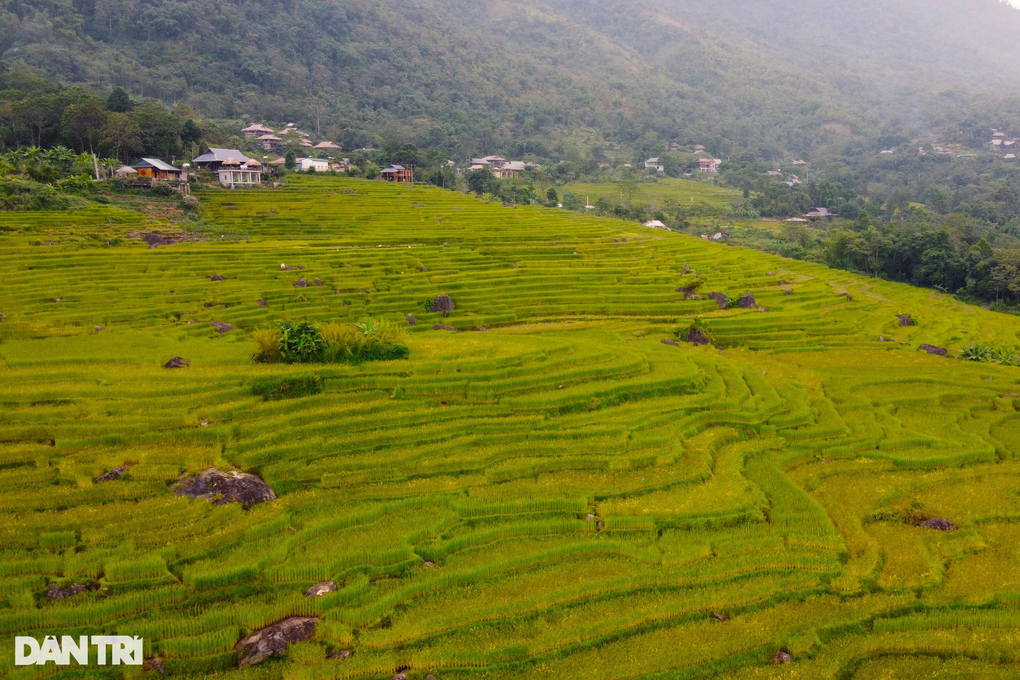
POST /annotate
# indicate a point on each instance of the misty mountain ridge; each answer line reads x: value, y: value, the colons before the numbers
x: 760, y: 76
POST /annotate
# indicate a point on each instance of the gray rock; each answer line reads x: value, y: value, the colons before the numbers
x: 317, y: 282
x: 301, y: 283
x: 177, y: 362
x: 156, y: 665
x: 273, y: 640
x: 224, y: 487
x: 342, y: 654
x: 113, y: 475
x: 261, y: 304
x: 442, y: 303
x: 781, y: 657
x: 320, y: 589
x: 55, y: 592
x: 411, y: 320
x: 441, y: 327
x: 720, y: 299
x: 217, y: 277
x: 938, y: 524
x: 905, y: 319
x: 223, y: 326
x: 932, y: 349
x: 667, y: 341
x: 747, y: 301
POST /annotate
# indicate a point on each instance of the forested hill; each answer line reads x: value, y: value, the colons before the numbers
x: 766, y: 76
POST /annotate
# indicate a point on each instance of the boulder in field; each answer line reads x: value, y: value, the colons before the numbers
x: 301, y: 283
x: 667, y: 341
x: 720, y: 617
x: 177, y: 362
x: 423, y: 270
x: 482, y: 329
x: 98, y: 329
x: 217, y: 277
x: 441, y: 327
x: 696, y: 337
x: 342, y: 654
x: 317, y: 282
x: 225, y: 487
x: 273, y: 640
x: 781, y: 657
x: 113, y: 475
x: 261, y: 304
x: 411, y: 320
x: 787, y: 291
x: 747, y: 301
x: 932, y: 349
x: 55, y: 592
x: 848, y: 297
x: 905, y: 319
x: 442, y: 303
x: 938, y: 524
x: 223, y: 326
x: 720, y: 299
x: 320, y: 589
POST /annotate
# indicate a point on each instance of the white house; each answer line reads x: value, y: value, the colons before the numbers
x: 317, y: 164
x: 653, y: 163
x: 233, y: 173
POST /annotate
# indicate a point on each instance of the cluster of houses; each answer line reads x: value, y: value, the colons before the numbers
x: 1001, y: 143
x: 272, y: 140
x: 501, y: 168
x: 231, y: 167
x: 704, y: 165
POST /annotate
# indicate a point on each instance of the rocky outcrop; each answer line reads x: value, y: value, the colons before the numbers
x: 320, y: 589
x: 177, y: 362
x: 217, y: 277
x: 932, y: 349
x: 442, y: 303
x: 113, y: 475
x: 905, y: 319
x: 938, y: 524
x: 720, y: 299
x: 273, y: 640
x: 225, y: 487
x: 747, y: 301
x: 781, y: 657
x: 223, y: 326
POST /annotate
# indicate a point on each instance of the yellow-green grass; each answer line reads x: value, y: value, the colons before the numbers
x: 682, y: 192
x: 767, y: 480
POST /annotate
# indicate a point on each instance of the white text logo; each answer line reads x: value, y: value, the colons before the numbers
x: 113, y: 649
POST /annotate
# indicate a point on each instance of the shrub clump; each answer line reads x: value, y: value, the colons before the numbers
x: 293, y: 387
x: 330, y: 343
x: 989, y: 355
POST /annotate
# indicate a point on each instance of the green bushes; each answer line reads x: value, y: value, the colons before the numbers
x: 25, y: 194
x: 330, y: 343
x: 990, y: 355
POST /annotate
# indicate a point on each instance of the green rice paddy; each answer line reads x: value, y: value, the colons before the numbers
x: 682, y: 192
x: 448, y: 494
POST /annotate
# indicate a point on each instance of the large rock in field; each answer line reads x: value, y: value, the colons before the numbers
x: 696, y: 337
x: 320, y: 589
x: 747, y: 301
x: 932, y: 349
x: 224, y: 487
x: 177, y: 362
x: 938, y: 524
x: 273, y: 640
x: 113, y: 475
x: 720, y: 299
x: 55, y: 592
x: 442, y: 303
x: 905, y: 319
x: 223, y: 326
x: 781, y: 657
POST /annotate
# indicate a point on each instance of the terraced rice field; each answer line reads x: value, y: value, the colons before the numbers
x: 683, y: 192
x: 448, y: 495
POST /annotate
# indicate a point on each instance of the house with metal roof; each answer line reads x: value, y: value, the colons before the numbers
x: 213, y: 158
x: 154, y: 168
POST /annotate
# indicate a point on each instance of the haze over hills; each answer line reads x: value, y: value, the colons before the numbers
x: 768, y: 77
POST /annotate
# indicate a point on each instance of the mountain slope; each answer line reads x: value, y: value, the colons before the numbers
x: 736, y: 75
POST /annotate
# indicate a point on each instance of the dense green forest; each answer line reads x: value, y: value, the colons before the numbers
x: 739, y: 75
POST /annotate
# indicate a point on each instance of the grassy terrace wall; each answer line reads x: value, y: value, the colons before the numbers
x: 764, y: 480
